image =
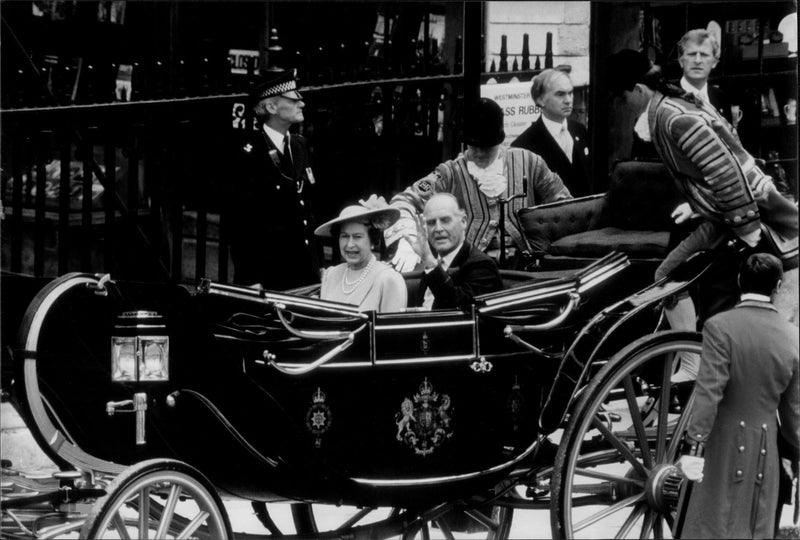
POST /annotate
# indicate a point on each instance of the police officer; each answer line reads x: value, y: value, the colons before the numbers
x: 269, y: 217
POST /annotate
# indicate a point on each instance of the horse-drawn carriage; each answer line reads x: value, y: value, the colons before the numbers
x: 158, y: 402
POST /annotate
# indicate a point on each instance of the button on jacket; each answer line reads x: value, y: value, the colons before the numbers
x: 749, y: 370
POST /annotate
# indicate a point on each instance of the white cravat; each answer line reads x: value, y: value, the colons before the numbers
x: 491, y: 180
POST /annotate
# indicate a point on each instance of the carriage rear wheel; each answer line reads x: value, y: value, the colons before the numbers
x: 159, y: 498
x: 614, y: 473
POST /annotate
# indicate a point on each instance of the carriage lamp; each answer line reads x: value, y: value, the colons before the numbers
x: 140, y: 348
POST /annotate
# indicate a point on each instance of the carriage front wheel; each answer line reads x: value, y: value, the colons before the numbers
x: 614, y: 474
x: 159, y: 498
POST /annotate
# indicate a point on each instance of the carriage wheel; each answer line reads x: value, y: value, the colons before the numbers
x: 614, y: 473
x: 159, y: 498
x: 493, y: 522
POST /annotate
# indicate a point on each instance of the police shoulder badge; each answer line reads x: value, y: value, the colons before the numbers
x: 423, y: 422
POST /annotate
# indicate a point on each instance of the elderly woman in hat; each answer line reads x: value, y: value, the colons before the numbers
x: 362, y: 279
x: 480, y: 179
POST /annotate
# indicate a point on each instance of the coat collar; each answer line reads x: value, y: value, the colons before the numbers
x: 756, y: 304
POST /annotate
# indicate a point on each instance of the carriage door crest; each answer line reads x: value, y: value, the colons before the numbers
x: 319, y: 417
x: 423, y: 422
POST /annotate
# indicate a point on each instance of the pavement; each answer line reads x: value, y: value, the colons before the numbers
x: 18, y: 446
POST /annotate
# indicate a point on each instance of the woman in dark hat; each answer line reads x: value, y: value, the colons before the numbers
x: 479, y: 178
x: 362, y: 279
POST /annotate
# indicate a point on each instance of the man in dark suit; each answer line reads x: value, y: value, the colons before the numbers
x: 458, y: 272
x: 749, y: 372
x: 269, y: 219
x: 698, y: 54
x: 562, y: 142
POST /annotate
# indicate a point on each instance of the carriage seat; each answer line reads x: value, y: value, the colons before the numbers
x: 633, y: 217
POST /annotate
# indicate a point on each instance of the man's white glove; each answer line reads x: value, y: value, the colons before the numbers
x: 691, y: 467
x: 683, y: 212
x: 405, y: 259
x: 752, y: 238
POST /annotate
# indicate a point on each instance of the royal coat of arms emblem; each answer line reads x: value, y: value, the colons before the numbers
x: 423, y: 422
x: 319, y: 417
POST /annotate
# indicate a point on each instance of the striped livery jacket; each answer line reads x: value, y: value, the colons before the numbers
x: 707, y: 161
x: 483, y: 213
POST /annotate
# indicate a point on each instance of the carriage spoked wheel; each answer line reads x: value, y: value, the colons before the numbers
x: 616, y: 479
x: 492, y: 522
x: 159, y: 498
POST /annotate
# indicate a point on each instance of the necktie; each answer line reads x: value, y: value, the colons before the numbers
x: 565, y: 142
x: 286, y: 158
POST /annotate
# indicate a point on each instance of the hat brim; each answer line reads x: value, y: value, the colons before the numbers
x: 481, y: 142
x: 380, y: 218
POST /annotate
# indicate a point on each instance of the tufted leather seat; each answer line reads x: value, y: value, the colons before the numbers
x: 633, y: 217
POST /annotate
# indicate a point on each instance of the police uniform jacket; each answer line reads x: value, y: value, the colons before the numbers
x: 483, y: 214
x: 749, y: 370
x: 270, y: 220
x: 574, y: 174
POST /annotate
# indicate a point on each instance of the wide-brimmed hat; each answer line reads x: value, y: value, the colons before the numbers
x: 283, y: 83
x: 483, y: 124
x: 374, y: 211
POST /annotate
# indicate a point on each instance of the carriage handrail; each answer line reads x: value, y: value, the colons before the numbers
x: 308, y: 334
x: 579, y: 282
x: 573, y: 302
x: 321, y: 361
x: 271, y: 297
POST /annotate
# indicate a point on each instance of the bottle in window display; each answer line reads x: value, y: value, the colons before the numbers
x: 503, y: 53
x: 526, y: 53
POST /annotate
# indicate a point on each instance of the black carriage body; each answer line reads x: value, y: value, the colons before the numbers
x: 275, y: 395
x: 418, y: 400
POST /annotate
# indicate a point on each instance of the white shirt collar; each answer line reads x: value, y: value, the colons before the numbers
x: 276, y: 137
x: 755, y: 297
x: 554, y: 127
x: 702, y: 92
x: 447, y: 260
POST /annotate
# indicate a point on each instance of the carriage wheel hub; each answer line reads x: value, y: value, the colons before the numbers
x: 663, y: 487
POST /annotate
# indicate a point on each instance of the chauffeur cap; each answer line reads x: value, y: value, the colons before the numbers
x: 283, y: 84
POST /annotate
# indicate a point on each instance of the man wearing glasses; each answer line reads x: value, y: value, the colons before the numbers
x: 269, y: 217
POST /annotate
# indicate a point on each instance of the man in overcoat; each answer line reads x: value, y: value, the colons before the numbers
x: 480, y: 179
x: 269, y: 220
x: 749, y: 371
x: 562, y: 142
